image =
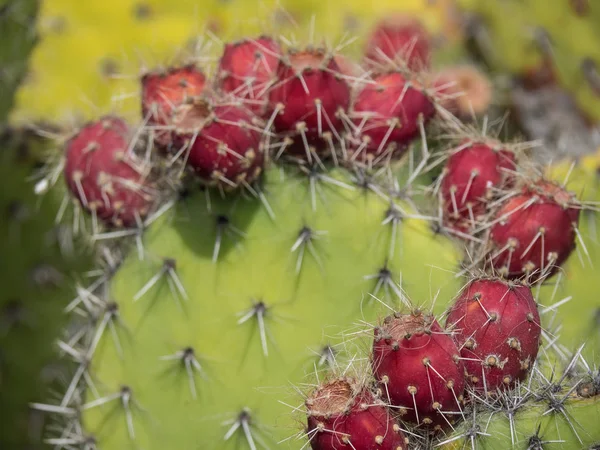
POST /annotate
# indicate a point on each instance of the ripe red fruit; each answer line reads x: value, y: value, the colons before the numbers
x: 418, y: 367
x: 473, y: 173
x: 223, y: 143
x: 164, y: 92
x: 387, y: 114
x: 534, y: 232
x: 308, y: 98
x: 247, y: 68
x: 497, y: 328
x: 344, y: 415
x: 104, y: 176
x: 399, y: 36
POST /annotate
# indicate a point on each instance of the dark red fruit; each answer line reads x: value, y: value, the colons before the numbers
x: 534, y: 232
x: 497, y: 328
x: 104, y: 176
x: 387, y: 114
x: 164, y: 92
x: 399, y: 37
x: 247, y: 68
x: 474, y: 173
x: 308, y: 98
x: 344, y: 415
x: 418, y: 367
x: 223, y: 143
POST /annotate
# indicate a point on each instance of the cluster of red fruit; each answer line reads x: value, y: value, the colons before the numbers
x: 309, y: 104
x: 425, y: 374
x: 528, y: 226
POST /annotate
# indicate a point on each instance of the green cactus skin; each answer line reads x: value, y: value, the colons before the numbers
x: 36, y: 273
x: 309, y: 300
x: 16, y: 26
x: 562, y: 421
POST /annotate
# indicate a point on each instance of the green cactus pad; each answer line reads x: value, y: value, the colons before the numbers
x: 307, y: 302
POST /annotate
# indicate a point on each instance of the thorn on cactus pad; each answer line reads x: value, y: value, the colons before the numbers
x: 245, y: 427
x: 126, y: 402
x: 306, y: 241
x: 258, y: 313
x: 188, y: 361
x: 385, y: 280
x: 326, y: 356
x: 168, y: 271
x: 224, y: 227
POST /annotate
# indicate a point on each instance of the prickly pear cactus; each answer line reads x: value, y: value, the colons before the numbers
x: 302, y: 247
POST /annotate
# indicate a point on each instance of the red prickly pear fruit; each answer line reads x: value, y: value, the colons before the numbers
x: 471, y: 175
x: 344, y: 415
x: 534, y: 232
x: 223, y: 143
x: 246, y: 70
x: 463, y: 90
x: 387, y: 114
x: 497, y: 328
x: 399, y: 36
x: 164, y: 92
x: 104, y: 176
x: 309, y: 98
x: 419, y: 370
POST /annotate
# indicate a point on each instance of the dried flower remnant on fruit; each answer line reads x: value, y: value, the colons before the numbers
x: 163, y: 92
x: 344, y: 414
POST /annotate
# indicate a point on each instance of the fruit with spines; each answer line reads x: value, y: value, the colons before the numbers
x: 388, y: 113
x: 401, y: 39
x: 104, y: 174
x: 419, y: 370
x: 246, y: 69
x: 475, y: 172
x: 533, y: 232
x: 222, y: 141
x: 308, y: 100
x: 496, y: 325
x: 345, y: 414
x: 164, y: 92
